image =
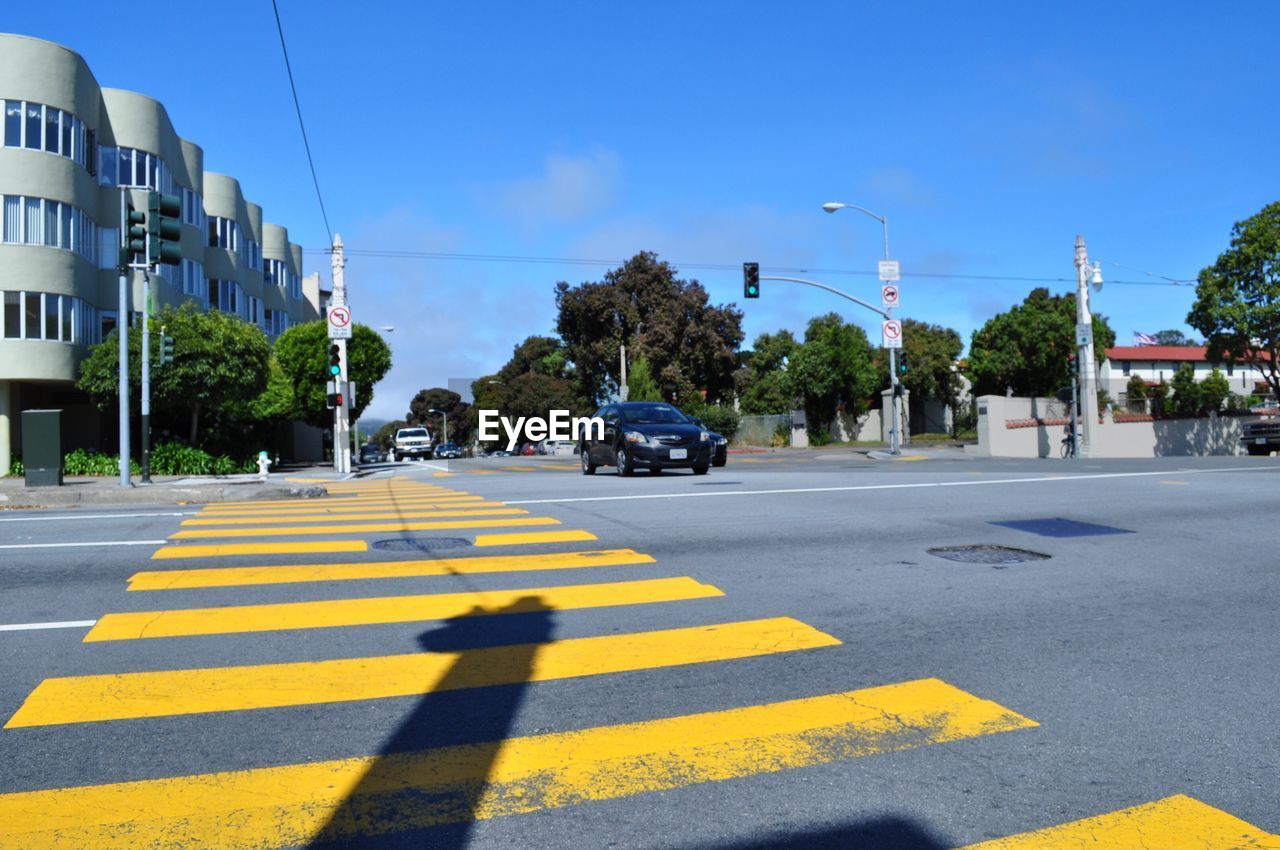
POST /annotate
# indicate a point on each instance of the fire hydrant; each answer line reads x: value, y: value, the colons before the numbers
x: 264, y: 461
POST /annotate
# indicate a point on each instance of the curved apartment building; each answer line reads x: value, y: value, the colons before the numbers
x: 68, y: 148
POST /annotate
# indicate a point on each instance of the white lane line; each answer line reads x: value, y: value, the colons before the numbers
x: 97, y: 543
x: 71, y: 517
x: 65, y: 624
x: 851, y: 488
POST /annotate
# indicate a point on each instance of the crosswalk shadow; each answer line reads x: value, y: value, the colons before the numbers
x: 385, y: 801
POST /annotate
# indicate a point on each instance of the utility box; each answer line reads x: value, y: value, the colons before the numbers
x: 42, y: 447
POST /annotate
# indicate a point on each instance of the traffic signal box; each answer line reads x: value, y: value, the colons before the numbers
x: 166, y: 348
x: 335, y: 361
x: 750, y: 280
x: 164, y: 229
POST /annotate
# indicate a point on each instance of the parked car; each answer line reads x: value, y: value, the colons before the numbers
x: 646, y: 435
x: 556, y: 447
x: 372, y: 453
x: 720, y: 453
x: 528, y: 450
x: 448, y: 450
x: 412, y: 443
x: 1261, y: 437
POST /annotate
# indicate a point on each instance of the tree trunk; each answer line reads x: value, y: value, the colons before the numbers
x: 195, y: 421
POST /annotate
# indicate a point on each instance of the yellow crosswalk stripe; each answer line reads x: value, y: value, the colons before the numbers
x: 341, y: 527
x: 340, y: 505
x: 221, y: 550
x: 1176, y: 823
x: 339, y: 510
x: 329, y: 613
x: 291, y: 805
x: 428, y: 514
x: 294, y: 573
x: 533, y: 537
x: 119, y: 696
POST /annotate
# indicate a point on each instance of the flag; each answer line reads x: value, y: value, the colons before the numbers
x: 1143, y: 339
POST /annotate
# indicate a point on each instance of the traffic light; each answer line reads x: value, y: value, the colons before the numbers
x: 750, y: 280
x: 333, y: 400
x: 164, y: 229
x: 335, y: 360
x: 166, y: 347
x: 902, y: 364
x: 136, y: 235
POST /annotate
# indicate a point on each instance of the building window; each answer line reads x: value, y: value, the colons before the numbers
x: 13, y: 123
x: 1231, y: 368
x: 12, y: 315
x: 31, y: 316
x: 45, y: 128
x: 52, y: 132
x: 12, y: 218
x: 1125, y: 366
x: 35, y: 120
x: 39, y: 221
x: 31, y: 233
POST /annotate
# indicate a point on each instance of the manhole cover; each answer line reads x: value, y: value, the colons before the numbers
x: 987, y: 554
x: 427, y: 544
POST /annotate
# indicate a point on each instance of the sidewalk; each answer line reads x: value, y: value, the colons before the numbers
x: 164, y: 490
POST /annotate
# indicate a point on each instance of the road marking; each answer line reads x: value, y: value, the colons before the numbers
x: 431, y: 514
x: 911, y: 458
x: 94, y: 544
x: 333, y: 613
x: 222, y: 550
x: 294, y: 573
x: 77, y: 517
x: 1184, y: 483
x: 293, y: 805
x: 348, y: 508
x: 711, y: 494
x: 443, y: 474
x: 482, y: 471
x: 167, y: 693
x: 338, y: 527
x: 519, y: 468
x: 571, y: 536
x: 33, y: 627
x: 1177, y: 821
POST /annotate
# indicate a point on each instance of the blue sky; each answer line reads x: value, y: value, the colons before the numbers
x: 988, y: 134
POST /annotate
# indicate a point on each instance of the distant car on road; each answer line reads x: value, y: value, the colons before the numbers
x: 647, y: 435
x: 412, y: 443
x: 371, y: 453
x: 1261, y: 437
x: 448, y: 450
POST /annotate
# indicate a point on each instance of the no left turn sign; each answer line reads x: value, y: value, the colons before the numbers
x: 891, y: 334
x: 339, y: 323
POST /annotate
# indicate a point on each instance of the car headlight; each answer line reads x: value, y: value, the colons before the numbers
x: 722, y: 442
x: 704, y: 437
x: 635, y: 437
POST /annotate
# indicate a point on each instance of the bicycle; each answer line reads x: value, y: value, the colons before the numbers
x: 1068, y: 445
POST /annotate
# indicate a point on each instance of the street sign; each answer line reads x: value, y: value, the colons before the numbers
x: 1084, y: 334
x: 889, y: 271
x: 889, y: 295
x: 891, y: 334
x: 339, y: 323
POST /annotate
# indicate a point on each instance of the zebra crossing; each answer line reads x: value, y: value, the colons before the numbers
x: 299, y: 803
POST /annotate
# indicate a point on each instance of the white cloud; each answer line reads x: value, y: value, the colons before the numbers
x: 569, y: 189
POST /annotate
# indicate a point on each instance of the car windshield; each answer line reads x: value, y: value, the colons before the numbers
x: 653, y: 414
x: 413, y: 432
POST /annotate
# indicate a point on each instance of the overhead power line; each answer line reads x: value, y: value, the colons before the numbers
x: 298, y: 107
x: 393, y: 254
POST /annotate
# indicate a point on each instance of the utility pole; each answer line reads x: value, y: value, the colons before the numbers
x: 145, y: 436
x: 122, y: 333
x: 341, y: 413
x: 622, y: 389
x: 1084, y: 342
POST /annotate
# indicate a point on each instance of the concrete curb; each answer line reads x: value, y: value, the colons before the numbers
x: 157, y: 494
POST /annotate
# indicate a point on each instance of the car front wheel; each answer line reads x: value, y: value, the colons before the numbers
x: 624, y: 461
x: 700, y: 470
x: 588, y: 468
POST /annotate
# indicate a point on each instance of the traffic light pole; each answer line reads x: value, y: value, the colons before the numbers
x: 145, y: 436
x: 122, y: 333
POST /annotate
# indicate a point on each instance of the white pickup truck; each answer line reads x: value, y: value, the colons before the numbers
x: 411, y: 443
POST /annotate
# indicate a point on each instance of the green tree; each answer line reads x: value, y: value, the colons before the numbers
x: 1214, y: 391
x: 690, y: 344
x: 1025, y: 349
x: 833, y: 370
x: 1136, y: 389
x: 439, y: 398
x: 1237, y: 304
x: 766, y: 386
x: 220, y: 364
x: 1186, y: 391
x: 303, y: 354
x: 544, y: 354
x: 1174, y: 337
x: 640, y: 383
x: 930, y: 353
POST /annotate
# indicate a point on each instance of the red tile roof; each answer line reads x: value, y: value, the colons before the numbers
x: 1192, y: 353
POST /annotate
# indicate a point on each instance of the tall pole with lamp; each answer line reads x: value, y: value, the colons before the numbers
x: 888, y: 272
x: 1086, y: 273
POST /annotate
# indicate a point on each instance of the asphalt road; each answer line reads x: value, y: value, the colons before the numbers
x: 765, y: 656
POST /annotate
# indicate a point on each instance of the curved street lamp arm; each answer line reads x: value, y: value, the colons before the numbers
x: 833, y: 291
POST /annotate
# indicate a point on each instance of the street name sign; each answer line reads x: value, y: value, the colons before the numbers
x: 891, y: 334
x: 339, y: 323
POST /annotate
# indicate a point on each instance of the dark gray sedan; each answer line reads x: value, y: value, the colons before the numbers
x: 648, y: 435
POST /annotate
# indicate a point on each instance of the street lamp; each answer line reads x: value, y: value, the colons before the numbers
x: 446, y: 421
x: 894, y: 442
